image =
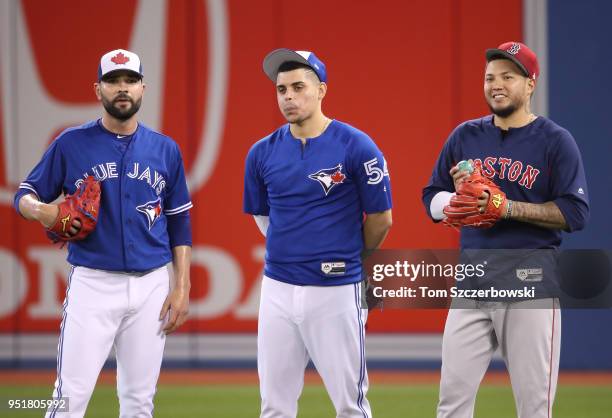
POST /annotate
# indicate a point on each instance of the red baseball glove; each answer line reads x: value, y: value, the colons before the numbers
x: 463, y: 209
x: 84, y: 206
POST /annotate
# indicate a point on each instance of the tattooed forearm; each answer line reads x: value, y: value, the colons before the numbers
x: 546, y: 215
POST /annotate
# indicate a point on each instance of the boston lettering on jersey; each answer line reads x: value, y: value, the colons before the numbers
x: 536, y: 163
x: 503, y: 168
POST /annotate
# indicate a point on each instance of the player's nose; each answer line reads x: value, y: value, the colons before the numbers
x: 122, y: 85
x: 496, y: 84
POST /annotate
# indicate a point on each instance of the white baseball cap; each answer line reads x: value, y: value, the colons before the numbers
x: 119, y: 59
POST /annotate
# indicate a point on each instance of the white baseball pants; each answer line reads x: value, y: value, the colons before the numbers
x: 325, y: 324
x: 101, y: 310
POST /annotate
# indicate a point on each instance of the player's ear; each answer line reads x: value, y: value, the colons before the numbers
x: 97, y: 90
x: 530, y: 86
x: 322, y: 90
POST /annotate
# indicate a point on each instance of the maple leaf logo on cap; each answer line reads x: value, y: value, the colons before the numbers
x: 120, y: 59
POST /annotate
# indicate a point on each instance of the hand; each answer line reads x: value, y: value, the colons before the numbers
x: 478, y: 203
x: 75, y: 228
x: 483, y: 201
x: 459, y: 175
x: 177, y: 305
x: 47, y: 215
x: 372, y: 301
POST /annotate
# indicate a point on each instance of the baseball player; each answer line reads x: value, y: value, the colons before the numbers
x: 309, y: 184
x: 119, y: 293
x: 536, y: 186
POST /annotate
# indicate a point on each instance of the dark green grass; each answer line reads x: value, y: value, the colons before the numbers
x: 388, y: 401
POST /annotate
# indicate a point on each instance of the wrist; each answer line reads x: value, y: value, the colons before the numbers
x: 509, y: 206
x: 182, y: 282
x: 365, y: 253
x: 47, y: 214
x: 33, y: 209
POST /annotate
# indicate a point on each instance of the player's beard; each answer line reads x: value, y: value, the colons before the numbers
x: 295, y: 120
x: 298, y: 119
x: 118, y: 113
x: 507, y: 111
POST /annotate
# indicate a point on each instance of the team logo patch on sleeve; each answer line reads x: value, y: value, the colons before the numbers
x: 152, y: 210
x: 329, y: 177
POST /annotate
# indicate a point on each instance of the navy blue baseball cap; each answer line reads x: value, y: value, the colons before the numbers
x: 278, y: 57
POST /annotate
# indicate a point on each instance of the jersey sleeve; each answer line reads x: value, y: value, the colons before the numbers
x: 47, y: 178
x: 177, y: 198
x: 440, y: 179
x: 369, y: 170
x: 179, y: 229
x: 568, y: 183
x: 255, y: 199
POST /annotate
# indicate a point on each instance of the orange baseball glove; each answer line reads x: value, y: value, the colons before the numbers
x: 83, y: 205
x: 463, y: 209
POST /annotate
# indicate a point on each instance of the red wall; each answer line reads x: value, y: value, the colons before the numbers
x: 404, y: 72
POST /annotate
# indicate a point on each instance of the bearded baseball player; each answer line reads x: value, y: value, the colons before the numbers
x: 309, y: 184
x: 125, y: 218
x: 527, y: 187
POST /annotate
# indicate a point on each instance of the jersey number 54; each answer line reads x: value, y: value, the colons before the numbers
x: 375, y: 174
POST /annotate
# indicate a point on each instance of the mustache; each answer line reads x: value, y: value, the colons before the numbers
x: 122, y: 96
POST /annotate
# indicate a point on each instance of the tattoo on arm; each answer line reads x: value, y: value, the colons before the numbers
x: 546, y: 215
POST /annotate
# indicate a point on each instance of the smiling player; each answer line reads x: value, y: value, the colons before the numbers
x: 536, y: 186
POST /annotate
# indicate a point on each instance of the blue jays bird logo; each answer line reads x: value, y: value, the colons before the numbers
x: 329, y: 177
x: 152, y: 210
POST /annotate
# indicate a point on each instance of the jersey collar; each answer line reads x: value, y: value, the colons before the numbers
x: 114, y: 134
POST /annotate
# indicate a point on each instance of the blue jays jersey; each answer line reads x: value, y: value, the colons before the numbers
x: 142, y: 181
x: 316, y: 195
x: 536, y: 163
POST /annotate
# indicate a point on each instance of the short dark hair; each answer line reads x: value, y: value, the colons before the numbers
x: 294, y: 65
